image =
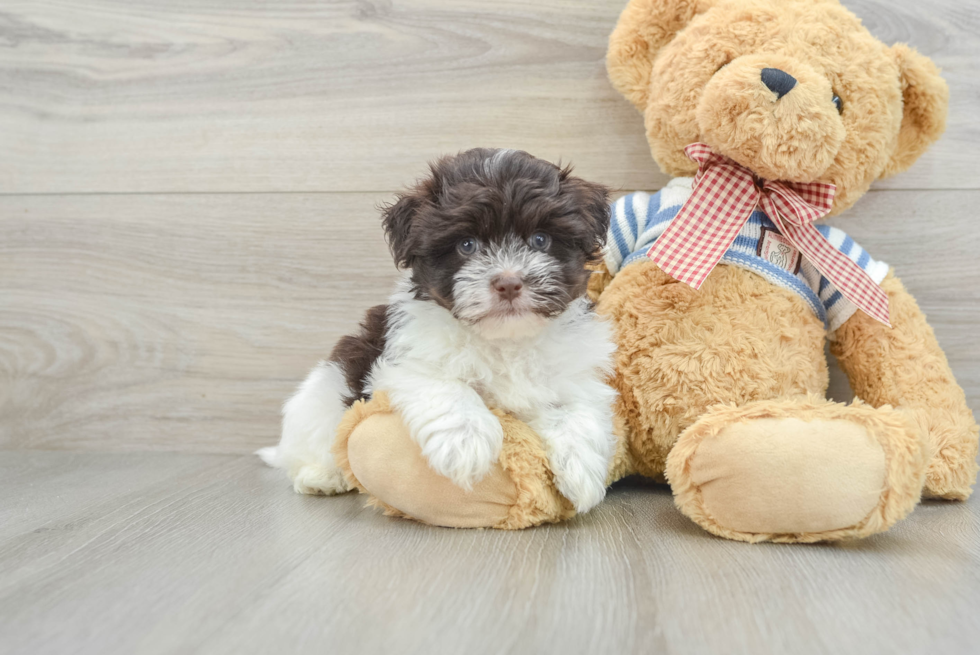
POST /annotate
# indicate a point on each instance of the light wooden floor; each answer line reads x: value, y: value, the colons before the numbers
x: 188, y: 220
x: 180, y: 553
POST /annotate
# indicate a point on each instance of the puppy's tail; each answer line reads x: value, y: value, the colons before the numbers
x: 270, y: 455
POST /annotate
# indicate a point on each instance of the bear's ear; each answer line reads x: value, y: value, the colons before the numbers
x: 644, y: 27
x: 925, y: 98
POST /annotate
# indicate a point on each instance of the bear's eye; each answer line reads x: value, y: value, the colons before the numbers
x: 838, y: 103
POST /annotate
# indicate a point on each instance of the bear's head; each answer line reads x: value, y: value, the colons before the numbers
x: 794, y: 90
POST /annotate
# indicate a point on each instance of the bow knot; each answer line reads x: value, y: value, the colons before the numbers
x: 725, y: 195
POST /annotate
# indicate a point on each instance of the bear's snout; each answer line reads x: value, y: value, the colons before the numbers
x: 773, y: 114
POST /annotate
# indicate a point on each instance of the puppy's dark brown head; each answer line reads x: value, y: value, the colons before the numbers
x: 498, y: 237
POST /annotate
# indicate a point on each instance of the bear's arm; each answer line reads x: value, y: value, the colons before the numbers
x: 904, y: 366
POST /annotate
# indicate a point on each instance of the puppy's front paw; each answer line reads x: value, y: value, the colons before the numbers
x: 580, y: 477
x: 462, y: 446
x: 315, y: 479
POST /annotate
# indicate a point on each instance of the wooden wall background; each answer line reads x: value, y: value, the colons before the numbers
x: 188, y: 188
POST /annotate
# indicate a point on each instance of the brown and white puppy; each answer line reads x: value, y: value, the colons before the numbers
x: 492, y: 312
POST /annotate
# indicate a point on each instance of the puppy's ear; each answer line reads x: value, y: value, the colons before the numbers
x: 397, y: 219
x: 592, y: 202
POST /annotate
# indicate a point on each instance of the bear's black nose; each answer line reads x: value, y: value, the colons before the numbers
x: 777, y: 81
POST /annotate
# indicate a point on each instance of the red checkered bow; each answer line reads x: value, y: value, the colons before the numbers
x: 725, y: 195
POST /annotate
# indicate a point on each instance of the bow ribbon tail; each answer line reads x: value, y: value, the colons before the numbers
x: 851, y: 280
x: 705, y: 227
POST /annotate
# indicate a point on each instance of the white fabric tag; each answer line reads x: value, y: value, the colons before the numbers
x: 778, y: 251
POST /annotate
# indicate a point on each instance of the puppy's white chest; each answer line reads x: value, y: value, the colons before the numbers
x: 521, y: 377
x: 517, y: 382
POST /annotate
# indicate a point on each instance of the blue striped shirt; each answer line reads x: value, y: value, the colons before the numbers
x: 638, y: 219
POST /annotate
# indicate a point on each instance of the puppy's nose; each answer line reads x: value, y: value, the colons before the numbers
x: 777, y: 81
x: 507, y: 287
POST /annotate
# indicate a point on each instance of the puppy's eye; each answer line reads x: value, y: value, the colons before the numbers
x: 467, y: 246
x: 540, y: 241
x: 838, y: 103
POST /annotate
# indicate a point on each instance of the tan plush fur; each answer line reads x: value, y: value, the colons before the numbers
x: 739, y: 341
x: 358, y: 412
x: 904, y: 366
x: 925, y: 96
x: 524, y: 459
x: 896, y: 434
x: 736, y: 340
x: 696, y: 369
x: 701, y: 81
x: 534, y: 499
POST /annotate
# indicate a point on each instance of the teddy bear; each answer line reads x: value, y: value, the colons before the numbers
x: 769, y: 114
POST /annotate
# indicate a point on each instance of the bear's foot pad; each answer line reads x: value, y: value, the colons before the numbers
x: 786, y: 475
x: 385, y: 460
